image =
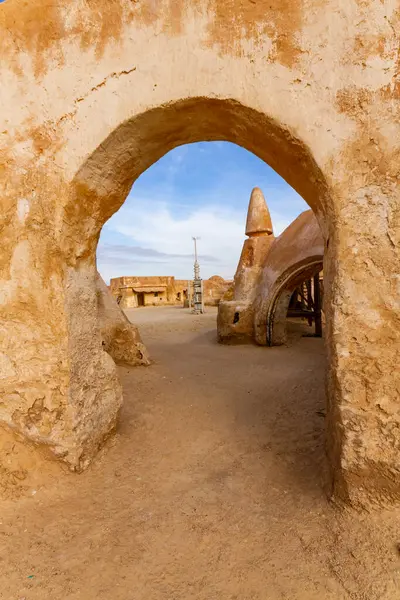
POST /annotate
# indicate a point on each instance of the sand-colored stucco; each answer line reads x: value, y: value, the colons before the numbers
x: 94, y: 93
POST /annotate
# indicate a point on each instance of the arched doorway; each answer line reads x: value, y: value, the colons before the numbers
x: 103, y: 181
x: 281, y: 295
x: 71, y: 165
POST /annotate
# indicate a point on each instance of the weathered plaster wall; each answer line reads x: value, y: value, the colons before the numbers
x: 94, y: 92
x: 151, y: 300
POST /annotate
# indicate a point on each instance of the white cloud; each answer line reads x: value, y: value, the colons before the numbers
x: 195, y: 190
x: 151, y: 224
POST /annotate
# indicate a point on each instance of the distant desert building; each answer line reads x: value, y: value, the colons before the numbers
x: 133, y: 292
x: 214, y: 290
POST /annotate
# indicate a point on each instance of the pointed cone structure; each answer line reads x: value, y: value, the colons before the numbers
x: 258, y: 217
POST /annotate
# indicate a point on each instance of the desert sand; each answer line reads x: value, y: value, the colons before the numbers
x: 212, y: 487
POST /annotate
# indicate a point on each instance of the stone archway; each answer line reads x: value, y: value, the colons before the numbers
x: 115, y: 85
x: 280, y: 297
x: 103, y: 181
x: 298, y: 249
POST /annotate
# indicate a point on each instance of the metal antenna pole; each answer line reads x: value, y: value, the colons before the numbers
x: 196, y: 263
x: 197, y: 283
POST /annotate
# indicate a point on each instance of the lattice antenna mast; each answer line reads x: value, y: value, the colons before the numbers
x: 198, y: 306
x: 196, y: 262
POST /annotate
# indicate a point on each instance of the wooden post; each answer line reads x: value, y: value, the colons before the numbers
x: 302, y: 303
x: 190, y: 294
x: 317, y: 306
x: 309, y: 300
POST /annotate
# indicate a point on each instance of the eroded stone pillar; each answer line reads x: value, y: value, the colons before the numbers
x: 363, y: 333
x: 58, y: 387
x: 94, y: 390
x: 120, y: 338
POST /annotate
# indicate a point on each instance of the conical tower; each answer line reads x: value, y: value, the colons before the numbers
x: 236, y: 316
x: 255, y: 248
x: 258, y: 217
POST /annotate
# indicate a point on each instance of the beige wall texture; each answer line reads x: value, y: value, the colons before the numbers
x: 94, y: 92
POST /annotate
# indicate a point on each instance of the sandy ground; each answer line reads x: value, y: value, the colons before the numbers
x: 212, y: 488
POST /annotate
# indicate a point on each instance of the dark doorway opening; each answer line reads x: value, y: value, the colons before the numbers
x: 306, y: 303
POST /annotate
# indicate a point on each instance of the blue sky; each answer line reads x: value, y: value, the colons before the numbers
x: 200, y: 189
